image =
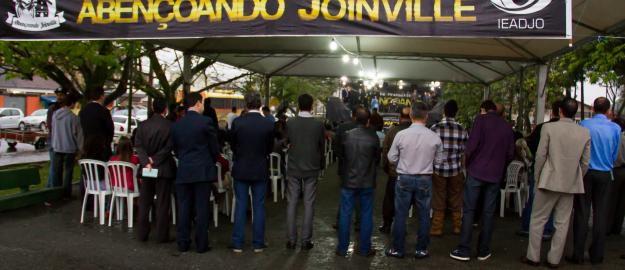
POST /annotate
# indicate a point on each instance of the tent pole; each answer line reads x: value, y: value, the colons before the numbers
x: 542, y: 95
x: 581, y: 81
x: 267, y: 89
x: 486, y: 93
x: 186, y: 73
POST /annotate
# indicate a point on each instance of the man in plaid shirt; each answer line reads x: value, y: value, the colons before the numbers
x: 448, y: 178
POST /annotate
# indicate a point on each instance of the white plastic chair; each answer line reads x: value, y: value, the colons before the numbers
x: 220, y: 190
x: 512, y: 186
x: 119, y: 182
x: 95, y: 172
x: 275, y: 174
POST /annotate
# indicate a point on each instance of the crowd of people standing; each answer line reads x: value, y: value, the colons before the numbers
x: 438, y: 170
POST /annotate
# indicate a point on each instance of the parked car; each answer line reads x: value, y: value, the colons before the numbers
x: 10, y: 117
x: 140, y: 114
x: 121, y: 125
x: 35, y: 119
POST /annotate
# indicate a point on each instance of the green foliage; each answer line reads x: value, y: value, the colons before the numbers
x: 287, y: 89
x: 79, y: 66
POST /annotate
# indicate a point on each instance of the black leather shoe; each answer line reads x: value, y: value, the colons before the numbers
x: 574, y: 260
x: 290, y: 245
x: 393, y: 253
x: 307, y: 245
x: 551, y: 265
x: 384, y: 229
x: 369, y: 254
x: 529, y: 262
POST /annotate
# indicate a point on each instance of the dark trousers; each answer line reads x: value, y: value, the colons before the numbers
x: 596, y: 187
x: 616, y: 205
x: 64, y: 169
x: 190, y: 197
x: 161, y: 187
x: 388, y: 205
x: 472, y: 190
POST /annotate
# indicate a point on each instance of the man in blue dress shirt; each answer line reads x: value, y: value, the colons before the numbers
x: 605, y: 138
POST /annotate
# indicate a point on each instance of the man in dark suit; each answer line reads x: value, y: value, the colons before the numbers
x: 251, y: 138
x: 97, y: 123
x: 210, y: 112
x: 154, y: 146
x: 195, y: 144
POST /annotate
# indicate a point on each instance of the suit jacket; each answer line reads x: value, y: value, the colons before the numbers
x: 251, y: 138
x: 196, y: 147
x: 153, y: 140
x: 96, y: 122
x: 562, y: 157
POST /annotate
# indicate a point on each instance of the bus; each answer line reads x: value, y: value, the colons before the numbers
x: 223, y: 101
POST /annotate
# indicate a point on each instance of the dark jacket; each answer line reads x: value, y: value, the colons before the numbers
x: 390, y: 168
x: 361, y: 149
x: 306, y: 139
x: 154, y: 140
x: 338, y: 143
x: 195, y: 144
x: 49, y: 120
x: 210, y: 113
x: 534, y: 138
x: 490, y: 148
x: 251, y: 138
x: 97, y: 125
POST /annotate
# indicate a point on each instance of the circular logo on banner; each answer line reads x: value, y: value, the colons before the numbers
x: 529, y: 7
x: 35, y: 15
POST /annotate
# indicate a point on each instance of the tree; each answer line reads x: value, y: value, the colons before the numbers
x: 79, y: 66
x: 607, y: 66
x: 287, y: 89
x: 168, y: 85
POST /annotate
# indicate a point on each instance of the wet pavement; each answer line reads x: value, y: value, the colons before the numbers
x: 53, y: 238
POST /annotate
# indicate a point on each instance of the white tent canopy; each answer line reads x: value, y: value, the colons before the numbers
x: 481, y: 60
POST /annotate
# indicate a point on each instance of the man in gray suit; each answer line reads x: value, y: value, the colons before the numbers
x: 306, y: 158
x: 562, y: 161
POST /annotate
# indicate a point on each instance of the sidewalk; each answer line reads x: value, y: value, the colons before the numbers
x: 26, y: 153
x: 53, y: 238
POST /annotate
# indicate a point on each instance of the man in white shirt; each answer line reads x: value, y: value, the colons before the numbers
x: 231, y: 116
x: 414, y: 150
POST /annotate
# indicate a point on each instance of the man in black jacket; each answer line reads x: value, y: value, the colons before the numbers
x: 361, y: 150
x: 209, y: 112
x: 154, y: 146
x: 196, y: 147
x: 306, y: 139
x: 97, y: 123
x: 251, y: 137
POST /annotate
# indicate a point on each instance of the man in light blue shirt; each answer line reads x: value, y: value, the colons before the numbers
x: 604, y: 143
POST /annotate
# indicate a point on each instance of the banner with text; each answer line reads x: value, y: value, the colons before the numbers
x: 149, y: 19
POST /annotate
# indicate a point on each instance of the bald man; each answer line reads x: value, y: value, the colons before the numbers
x: 388, y: 207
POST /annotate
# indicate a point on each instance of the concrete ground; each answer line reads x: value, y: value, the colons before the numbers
x: 53, y: 238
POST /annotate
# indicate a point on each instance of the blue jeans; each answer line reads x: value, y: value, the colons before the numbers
x: 366, y: 218
x: 241, y: 189
x: 51, y: 170
x: 527, y: 211
x: 472, y: 190
x: 407, y: 189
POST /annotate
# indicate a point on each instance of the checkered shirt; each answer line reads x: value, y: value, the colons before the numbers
x: 454, y: 137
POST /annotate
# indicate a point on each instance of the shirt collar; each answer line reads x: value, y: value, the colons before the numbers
x: 417, y: 125
x: 305, y: 114
x: 449, y: 119
x: 253, y: 111
x: 565, y: 120
x: 600, y: 116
